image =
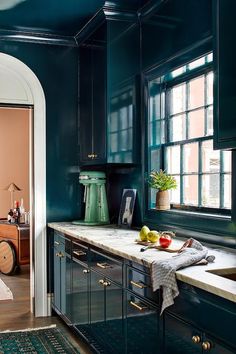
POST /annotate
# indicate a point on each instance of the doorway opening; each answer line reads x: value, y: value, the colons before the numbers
x: 15, y: 177
x: 20, y: 86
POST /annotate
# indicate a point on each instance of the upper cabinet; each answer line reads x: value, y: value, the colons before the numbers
x: 225, y: 74
x: 123, y: 89
x: 109, y: 89
x: 92, y: 98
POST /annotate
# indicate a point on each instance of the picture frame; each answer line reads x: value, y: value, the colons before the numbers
x: 127, y: 208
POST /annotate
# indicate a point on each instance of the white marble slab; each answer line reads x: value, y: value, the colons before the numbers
x: 121, y: 242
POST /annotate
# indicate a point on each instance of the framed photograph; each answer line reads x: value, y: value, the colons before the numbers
x: 127, y: 207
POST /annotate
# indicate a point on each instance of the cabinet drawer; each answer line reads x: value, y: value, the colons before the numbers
x: 79, y: 252
x: 108, y: 266
x: 59, y: 239
x: 206, y: 311
x: 140, y: 283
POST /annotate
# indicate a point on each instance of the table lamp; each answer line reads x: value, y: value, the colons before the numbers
x: 12, y: 187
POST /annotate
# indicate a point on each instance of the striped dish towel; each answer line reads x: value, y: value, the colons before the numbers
x: 163, y: 272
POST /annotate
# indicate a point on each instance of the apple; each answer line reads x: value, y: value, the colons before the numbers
x: 165, y: 240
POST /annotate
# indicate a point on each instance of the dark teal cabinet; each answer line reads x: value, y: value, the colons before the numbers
x: 79, y: 286
x: 62, y: 275
x: 142, y: 323
x: 123, y: 67
x: 224, y: 74
x: 92, y: 99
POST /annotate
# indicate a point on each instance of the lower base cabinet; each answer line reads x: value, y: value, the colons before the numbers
x: 110, y: 303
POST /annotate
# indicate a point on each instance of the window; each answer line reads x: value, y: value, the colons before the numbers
x: 180, y: 137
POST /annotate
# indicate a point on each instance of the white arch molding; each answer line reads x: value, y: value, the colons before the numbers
x: 19, y: 85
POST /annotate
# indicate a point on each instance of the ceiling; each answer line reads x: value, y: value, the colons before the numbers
x: 62, y: 18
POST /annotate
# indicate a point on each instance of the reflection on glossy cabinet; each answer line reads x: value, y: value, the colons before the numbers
x: 224, y: 74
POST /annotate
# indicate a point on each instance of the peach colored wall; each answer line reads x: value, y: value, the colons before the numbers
x: 14, y: 155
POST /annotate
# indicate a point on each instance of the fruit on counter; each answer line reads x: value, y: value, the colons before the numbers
x: 143, y: 233
x: 165, y: 240
x: 153, y: 236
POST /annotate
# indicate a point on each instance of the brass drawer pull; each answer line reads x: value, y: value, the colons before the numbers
x: 196, y: 339
x: 139, y: 285
x: 206, y: 345
x: 140, y: 308
x: 79, y: 253
x: 56, y: 243
x: 101, y: 281
x: 86, y: 271
x: 104, y: 265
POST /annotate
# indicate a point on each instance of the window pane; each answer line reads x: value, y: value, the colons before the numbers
x: 211, y: 190
x: 114, y: 142
x: 177, y: 128
x: 155, y: 162
x: 210, y: 120
x: 190, y: 155
x: 196, y: 92
x: 196, y: 63
x: 210, y: 157
x: 178, y: 71
x: 175, y: 193
x: 157, y: 133
x: 114, y: 122
x: 178, y: 99
x: 190, y: 190
x: 227, y: 156
x: 210, y: 88
x: 209, y: 57
x: 173, y: 159
x: 196, y: 124
x: 154, y: 107
x: 227, y: 191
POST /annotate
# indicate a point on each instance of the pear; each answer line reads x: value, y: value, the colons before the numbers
x: 143, y: 233
x: 153, y: 236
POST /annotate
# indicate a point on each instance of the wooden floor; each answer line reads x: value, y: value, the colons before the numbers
x: 15, y: 314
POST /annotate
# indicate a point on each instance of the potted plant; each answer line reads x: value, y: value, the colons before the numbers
x: 163, y: 182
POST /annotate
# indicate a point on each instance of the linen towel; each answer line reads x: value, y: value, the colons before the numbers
x: 163, y: 272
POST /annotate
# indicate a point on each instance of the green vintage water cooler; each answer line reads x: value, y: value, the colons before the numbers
x: 96, y: 209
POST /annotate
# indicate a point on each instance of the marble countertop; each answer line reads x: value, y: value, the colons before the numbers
x: 121, y: 242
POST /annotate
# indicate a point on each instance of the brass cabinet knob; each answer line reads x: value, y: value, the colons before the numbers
x: 196, y: 339
x: 86, y: 271
x: 206, y: 345
x: 107, y: 283
x: 101, y: 281
x: 92, y: 156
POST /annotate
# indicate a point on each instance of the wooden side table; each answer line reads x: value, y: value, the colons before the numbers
x: 14, y: 246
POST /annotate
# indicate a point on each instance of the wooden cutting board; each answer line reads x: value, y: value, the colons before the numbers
x: 170, y: 249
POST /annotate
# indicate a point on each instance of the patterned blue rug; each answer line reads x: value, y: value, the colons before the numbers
x: 39, y: 341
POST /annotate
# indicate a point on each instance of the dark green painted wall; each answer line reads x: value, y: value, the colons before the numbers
x: 57, y: 70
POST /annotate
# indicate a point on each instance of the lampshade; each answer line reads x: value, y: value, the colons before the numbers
x: 12, y: 187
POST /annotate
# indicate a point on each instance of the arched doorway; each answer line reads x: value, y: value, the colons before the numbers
x: 19, y: 85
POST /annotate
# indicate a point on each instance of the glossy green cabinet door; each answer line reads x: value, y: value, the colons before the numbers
x: 92, y: 99
x: 106, y: 314
x: 122, y: 71
x: 80, y: 294
x: 142, y: 323
x: 62, y: 275
x: 225, y: 74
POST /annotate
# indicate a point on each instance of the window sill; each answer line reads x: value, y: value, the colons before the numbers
x: 195, y: 214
